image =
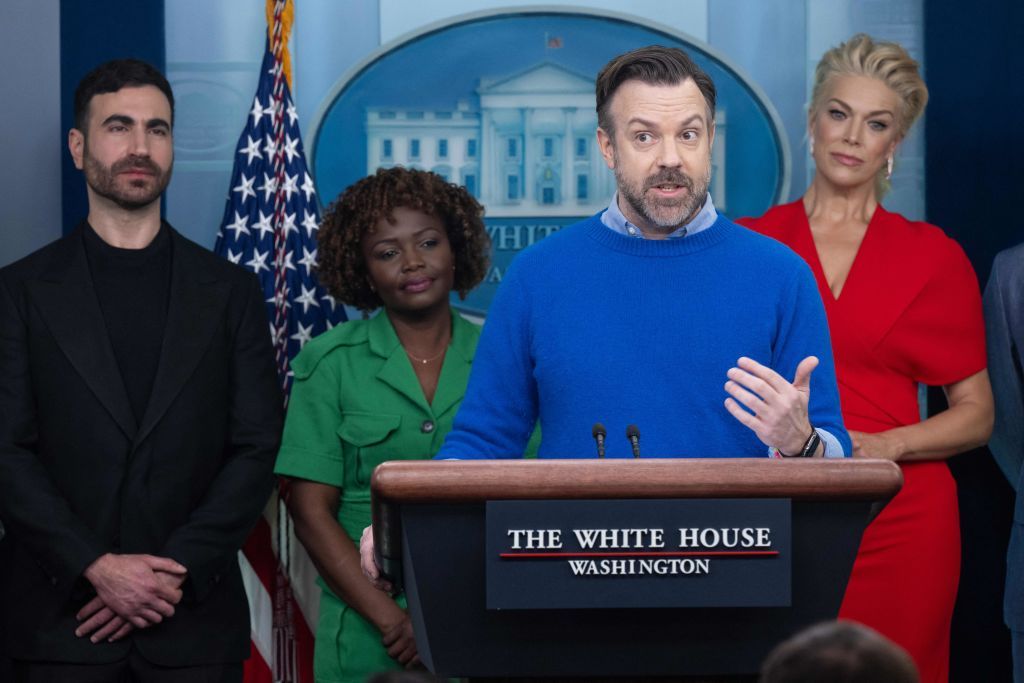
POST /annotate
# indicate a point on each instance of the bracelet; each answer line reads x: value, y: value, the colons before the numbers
x: 810, y: 446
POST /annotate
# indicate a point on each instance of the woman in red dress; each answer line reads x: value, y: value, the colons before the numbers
x: 904, y: 309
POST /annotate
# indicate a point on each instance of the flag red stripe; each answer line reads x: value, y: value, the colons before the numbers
x: 259, y: 551
x: 256, y: 670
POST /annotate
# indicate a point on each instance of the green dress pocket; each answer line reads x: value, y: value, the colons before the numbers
x: 366, y: 437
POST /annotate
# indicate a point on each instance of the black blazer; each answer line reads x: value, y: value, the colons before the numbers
x: 79, y: 477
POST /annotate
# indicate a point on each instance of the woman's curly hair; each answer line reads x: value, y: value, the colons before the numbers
x: 341, y: 266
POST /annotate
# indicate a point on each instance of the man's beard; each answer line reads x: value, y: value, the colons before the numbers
x: 127, y: 193
x: 665, y: 213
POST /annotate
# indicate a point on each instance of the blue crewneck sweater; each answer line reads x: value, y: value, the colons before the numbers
x: 593, y: 326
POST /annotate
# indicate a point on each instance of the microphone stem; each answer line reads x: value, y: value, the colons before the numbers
x: 633, y: 434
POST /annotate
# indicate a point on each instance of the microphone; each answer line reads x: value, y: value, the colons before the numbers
x: 633, y: 434
x: 599, y: 433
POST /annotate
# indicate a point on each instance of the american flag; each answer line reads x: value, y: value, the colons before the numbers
x: 270, y: 225
x: 271, y: 219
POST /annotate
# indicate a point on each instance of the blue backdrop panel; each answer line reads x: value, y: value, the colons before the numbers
x: 974, y: 137
x: 974, y: 172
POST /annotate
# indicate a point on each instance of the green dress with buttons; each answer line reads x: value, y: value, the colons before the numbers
x: 355, y: 403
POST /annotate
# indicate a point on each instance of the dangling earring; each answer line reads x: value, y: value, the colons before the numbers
x: 812, y: 145
x: 888, y: 168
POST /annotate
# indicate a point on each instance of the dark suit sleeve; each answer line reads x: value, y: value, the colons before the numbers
x: 30, y: 504
x: 217, y: 528
x: 1004, y: 367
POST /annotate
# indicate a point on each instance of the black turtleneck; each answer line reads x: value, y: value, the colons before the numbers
x: 133, y: 286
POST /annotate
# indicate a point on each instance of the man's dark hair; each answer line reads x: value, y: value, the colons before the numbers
x: 655, y: 65
x: 112, y: 76
x: 838, y: 652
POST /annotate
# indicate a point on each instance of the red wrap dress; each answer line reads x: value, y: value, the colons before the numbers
x: 908, y: 313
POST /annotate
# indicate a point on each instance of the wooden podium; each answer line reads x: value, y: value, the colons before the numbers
x: 429, y: 533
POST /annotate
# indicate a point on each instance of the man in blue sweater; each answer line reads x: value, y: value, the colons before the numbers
x: 656, y: 312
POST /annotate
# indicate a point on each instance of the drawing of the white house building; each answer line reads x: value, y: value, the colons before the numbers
x: 526, y: 147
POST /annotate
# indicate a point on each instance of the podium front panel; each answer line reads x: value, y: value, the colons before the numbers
x: 444, y: 549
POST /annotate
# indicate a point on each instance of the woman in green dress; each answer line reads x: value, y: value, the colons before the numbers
x: 386, y: 388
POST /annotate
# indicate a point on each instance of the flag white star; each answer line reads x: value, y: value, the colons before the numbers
x: 259, y: 261
x: 257, y: 111
x: 235, y: 258
x: 280, y: 300
x: 279, y: 336
x: 252, y: 149
x: 239, y: 226
x: 264, y: 224
x: 293, y: 115
x: 290, y: 146
x: 245, y: 188
x: 268, y: 188
x: 289, y: 224
x: 275, y: 335
x: 269, y: 146
x: 307, y: 187
x: 304, y: 334
x: 289, y: 188
x: 309, y: 222
x: 308, y: 260
x: 287, y: 265
x: 307, y: 298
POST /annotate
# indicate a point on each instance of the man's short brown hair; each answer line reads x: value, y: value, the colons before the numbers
x: 655, y: 65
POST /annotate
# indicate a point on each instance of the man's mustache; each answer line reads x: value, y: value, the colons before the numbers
x: 136, y: 164
x: 669, y: 176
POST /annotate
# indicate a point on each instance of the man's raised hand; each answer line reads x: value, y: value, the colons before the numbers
x: 775, y: 409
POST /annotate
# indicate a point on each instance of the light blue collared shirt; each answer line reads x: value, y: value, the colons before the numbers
x: 614, y: 219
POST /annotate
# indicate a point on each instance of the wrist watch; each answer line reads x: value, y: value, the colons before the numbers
x: 810, y: 446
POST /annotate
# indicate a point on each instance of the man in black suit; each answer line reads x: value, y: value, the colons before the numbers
x: 139, y: 419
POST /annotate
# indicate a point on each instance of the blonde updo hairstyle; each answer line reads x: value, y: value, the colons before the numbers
x: 889, y: 63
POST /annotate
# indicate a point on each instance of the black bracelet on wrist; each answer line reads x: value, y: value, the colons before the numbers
x: 810, y: 446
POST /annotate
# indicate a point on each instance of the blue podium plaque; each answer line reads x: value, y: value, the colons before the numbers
x: 578, y: 554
